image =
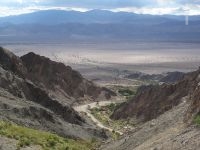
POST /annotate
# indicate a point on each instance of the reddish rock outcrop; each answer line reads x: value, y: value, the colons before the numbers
x: 11, y: 62
x: 56, y: 76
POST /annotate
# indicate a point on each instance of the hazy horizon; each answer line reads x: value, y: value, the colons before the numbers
x: 168, y: 37
x: 184, y: 7
x: 139, y: 56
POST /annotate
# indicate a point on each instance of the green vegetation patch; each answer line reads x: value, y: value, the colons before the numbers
x: 48, y: 141
x: 126, y: 92
x: 103, y: 115
x: 197, y: 120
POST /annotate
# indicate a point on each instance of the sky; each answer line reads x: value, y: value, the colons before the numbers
x: 156, y: 7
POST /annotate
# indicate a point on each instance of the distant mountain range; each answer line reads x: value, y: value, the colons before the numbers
x: 54, y: 17
x: 98, y: 24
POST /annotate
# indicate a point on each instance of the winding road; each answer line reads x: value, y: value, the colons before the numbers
x: 85, y: 108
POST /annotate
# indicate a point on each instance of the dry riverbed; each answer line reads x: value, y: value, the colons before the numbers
x: 86, y: 109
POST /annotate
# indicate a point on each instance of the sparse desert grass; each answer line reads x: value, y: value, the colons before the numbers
x: 48, y: 141
x: 197, y: 120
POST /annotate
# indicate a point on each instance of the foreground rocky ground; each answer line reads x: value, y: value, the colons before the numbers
x: 11, y: 144
x: 167, y: 132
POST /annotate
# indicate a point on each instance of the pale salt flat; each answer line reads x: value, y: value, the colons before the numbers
x: 150, y: 57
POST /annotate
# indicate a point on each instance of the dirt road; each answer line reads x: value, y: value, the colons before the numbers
x: 85, y: 108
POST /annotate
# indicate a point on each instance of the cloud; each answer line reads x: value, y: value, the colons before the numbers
x: 85, y: 3
x: 148, y: 10
x: 8, y: 11
x: 176, y: 10
x: 12, y: 7
x: 97, y: 4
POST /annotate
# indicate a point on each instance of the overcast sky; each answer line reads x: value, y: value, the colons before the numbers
x: 176, y: 7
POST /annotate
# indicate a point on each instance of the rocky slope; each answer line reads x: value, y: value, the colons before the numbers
x: 153, y: 100
x: 167, y: 113
x: 172, y: 77
x: 61, y: 80
x: 9, y: 61
x: 169, y: 77
x: 37, y: 92
x: 166, y: 132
